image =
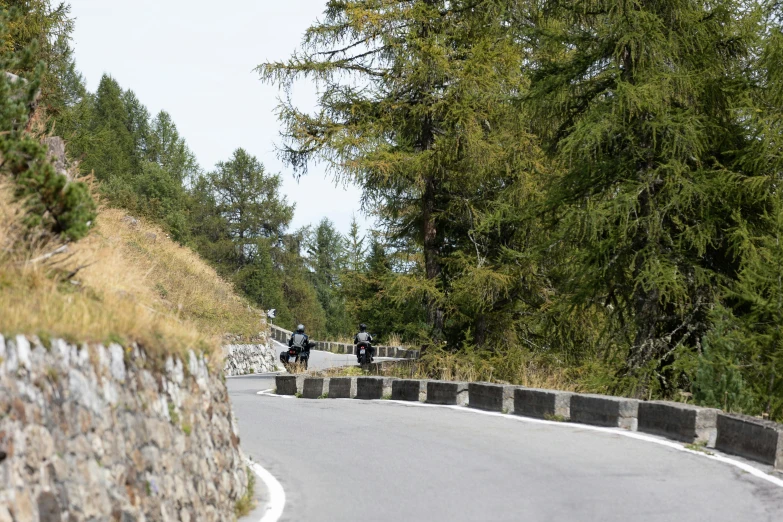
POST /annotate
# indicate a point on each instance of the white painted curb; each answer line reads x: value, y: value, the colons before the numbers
x: 615, y: 431
x: 276, y: 503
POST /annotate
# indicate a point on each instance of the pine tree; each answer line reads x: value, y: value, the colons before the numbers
x: 50, y: 201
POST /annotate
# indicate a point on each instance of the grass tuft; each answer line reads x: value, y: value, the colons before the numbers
x: 701, y: 447
x: 247, y: 502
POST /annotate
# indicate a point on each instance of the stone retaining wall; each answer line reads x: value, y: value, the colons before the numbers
x: 745, y: 436
x: 244, y: 359
x: 105, y: 433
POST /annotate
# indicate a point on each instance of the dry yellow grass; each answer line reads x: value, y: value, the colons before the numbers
x: 125, y: 282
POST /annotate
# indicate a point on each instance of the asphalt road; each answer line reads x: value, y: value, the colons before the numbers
x: 385, y: 461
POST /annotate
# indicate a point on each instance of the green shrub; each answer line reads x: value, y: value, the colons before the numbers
x: 49, y: 200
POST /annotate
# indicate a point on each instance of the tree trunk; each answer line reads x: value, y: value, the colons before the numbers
x: 431, y: 253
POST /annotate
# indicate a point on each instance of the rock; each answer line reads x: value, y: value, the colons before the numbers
x: 82, y: 391
x: 5, y: 516
x: 62, y: 349
x: 150, y: 456
x: 131, y: 221
x: 48, y: 507
x: 117, y: 362
x: 56, y: 152
x: 22, y: 506
x: 39, y: 446
x: 23, y: 351
x: 12, y: 360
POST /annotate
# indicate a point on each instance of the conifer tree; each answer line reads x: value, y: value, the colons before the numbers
x: 411, y: 95
x: 249, y: 199
x: 639, y: 102
x: 50, y: 201
x: 326, y: 259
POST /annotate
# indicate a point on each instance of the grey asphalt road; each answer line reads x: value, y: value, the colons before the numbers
x: 384, y: 461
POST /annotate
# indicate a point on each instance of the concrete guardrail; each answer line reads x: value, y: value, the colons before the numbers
x: 752, y: 438
x: 602, y: 410
x: 748, y: 437
x: 491, y: 397
x: 682, y: 422
x: 447, y: 392
x: 409, y: 390
x: 542, y: 404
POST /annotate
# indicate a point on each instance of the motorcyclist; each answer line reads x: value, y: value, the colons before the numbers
x: 363, y: 338
x: 300, y: 342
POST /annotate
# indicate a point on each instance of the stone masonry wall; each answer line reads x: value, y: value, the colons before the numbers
x: 94, y: 433
x: 243, y: 359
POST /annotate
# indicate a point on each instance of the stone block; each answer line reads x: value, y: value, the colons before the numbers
x: 491, y: 397
x: 373, y: 387
x: 391, y: 351
x: 289, y: 384
x: 349, y: 349
x: 409, y: 390
x: 447, y: 392
x: 679, y: 421
x: 603, y: 410
x: 380, y: 351
x: 342, y: 387
x: 542, y: 404
x: 752, y: 438
x: 314, y: 387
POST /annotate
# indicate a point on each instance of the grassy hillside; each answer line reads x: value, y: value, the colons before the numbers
x: 126, y: 282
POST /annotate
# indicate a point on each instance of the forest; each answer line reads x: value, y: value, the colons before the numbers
x: 582, y: 193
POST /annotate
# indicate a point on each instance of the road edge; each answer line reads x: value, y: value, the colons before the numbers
x: 276, y: 503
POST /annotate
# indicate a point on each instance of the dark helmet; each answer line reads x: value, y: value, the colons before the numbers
x: 300, y: 328
x: 362, y: 327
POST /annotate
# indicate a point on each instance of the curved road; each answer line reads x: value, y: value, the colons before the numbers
x: 386, y: 461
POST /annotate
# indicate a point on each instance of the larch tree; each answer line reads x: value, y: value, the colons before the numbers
x: 249, y: 199
x: 410, y: 96
x: 643, y: 105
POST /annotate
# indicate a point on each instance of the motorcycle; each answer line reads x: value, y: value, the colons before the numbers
x: 364, y: 352
x: 296, y: 355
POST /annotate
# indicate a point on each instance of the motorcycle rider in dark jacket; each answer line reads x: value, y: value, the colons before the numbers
x: 298, y: 340
x: 363, y: 337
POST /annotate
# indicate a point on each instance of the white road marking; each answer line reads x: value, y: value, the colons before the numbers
x: 615, y: 431
x: 276, y: 504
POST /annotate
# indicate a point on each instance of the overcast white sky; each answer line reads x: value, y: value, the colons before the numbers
x: 195, y: 59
